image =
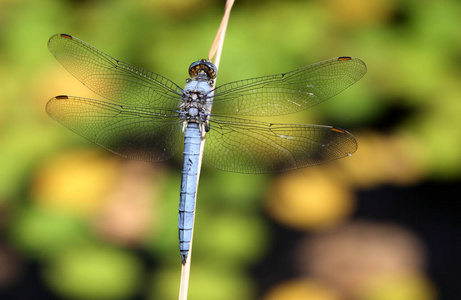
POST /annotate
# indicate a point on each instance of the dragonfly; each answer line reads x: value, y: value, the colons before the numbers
x: 148, y: 117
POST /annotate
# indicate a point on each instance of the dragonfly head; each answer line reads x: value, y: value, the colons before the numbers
x: 203, y: 66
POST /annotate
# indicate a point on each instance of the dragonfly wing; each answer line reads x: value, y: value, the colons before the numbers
x: 138, y: 133
x: 111, y: 78
x: 289, y: 92
x: 247, y: 146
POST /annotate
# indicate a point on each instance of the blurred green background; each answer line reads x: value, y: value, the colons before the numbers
x: 77, y: 222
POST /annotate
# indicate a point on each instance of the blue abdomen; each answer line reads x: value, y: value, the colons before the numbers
x: 192, y: 138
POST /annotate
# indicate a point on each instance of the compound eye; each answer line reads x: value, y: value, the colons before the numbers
x: 203, y: 66
x: 194, y: 68
x: 212, y: 70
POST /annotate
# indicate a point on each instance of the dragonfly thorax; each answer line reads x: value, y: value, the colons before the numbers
x: 196, y: 103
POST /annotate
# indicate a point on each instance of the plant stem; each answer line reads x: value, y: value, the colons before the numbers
x: 216, y: 48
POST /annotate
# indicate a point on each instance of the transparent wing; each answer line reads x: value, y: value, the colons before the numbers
x: 289, y: 92
x: 138, y: 133
x: 113, y: 79
x: 247, y: 146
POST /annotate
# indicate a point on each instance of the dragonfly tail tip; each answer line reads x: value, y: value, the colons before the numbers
x: 183, y: 258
